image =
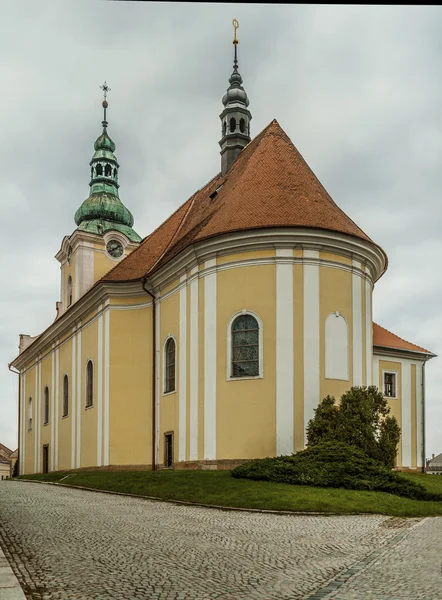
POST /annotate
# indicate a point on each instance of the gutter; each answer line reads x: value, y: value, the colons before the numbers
x: 18, y: 442
x: 423, y: 417
x: 154, y: 373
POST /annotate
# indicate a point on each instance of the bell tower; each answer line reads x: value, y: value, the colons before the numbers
x: 236, y: 117
x: 104, y: 233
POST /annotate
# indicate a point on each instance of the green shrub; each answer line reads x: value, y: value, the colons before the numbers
x: 362, y: 419
x: 333, y: 464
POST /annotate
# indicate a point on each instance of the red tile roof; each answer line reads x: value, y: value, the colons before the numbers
x: 384, y: 338
x: 269, y: 185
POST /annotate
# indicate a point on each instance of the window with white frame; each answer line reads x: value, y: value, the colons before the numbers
x: 69, y: 291
x: 89, y: 384
x: 169, y: 365
x: 46, y: 406
x: 245, y: 347
x: 390, y: 384
x: 30, y: 414
x: 65, y: 396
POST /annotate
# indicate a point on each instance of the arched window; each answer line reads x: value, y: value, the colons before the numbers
x: 224, y: 127
x: 30, y: 414
x: 245, y: 347
x: 115, y: 173
x: 46, y: 406
x: 336, y: 347
x: 89, y: 384
x: 108, y: 170
x: 99, y: 169
x: 242, y: 125
x: 169, y: 366
x: 65, y: 396
x: 69, y: 291
x: 232, y: 125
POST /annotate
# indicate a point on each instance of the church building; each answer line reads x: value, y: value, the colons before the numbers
x: 213, y: 339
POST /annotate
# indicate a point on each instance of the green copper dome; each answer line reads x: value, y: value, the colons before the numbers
x: 103, y: 210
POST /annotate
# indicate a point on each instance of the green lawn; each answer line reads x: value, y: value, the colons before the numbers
x: 218, y: 487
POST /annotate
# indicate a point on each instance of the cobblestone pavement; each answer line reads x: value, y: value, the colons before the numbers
x: 76, y: 545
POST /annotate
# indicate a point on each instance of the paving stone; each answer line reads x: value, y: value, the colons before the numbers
x: 71, y: 544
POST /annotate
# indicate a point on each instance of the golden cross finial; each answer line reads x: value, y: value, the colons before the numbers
x: 235, y: 27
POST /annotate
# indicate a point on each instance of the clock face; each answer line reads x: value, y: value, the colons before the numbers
x: 69, y: 255
x: 114, y: 248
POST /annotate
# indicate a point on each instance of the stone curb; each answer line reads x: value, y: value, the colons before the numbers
x: 10, y: 588
x: 218, y: 507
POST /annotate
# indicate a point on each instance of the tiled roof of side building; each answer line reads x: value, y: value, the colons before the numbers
x: 385, y: 339
x: 269, y: 185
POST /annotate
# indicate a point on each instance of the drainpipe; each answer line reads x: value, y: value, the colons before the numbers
x: 18, y: 443
x: 423, y: 416
x: 154, y: 374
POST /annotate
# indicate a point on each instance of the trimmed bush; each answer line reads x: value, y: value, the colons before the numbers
x: 333, y: 464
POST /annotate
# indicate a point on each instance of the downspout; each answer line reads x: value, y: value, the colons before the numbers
x: 154, y: 373
x: 18, y: 442
x: 423, y: 417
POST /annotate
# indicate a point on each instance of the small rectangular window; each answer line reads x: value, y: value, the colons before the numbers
x: 168, y: 449
x: 390, y: 385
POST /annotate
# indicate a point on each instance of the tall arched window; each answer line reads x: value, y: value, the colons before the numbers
x: 69, y: 291
x: 46, y: 406
x: 169, y: 365
x: 65, y: 396
x: 242, y: 125
x: 99, y: 170
x: 245, y: 347
x: 89, y: 384
x: 232, y: 125
x: 30, y: 414
x: 336, y: 347
x: 108, y: 170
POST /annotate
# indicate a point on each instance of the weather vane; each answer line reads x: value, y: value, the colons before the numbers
x: 105, y: 89
x: 235, y: 27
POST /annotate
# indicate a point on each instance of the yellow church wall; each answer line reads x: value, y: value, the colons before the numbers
x: 335, y: 258
x: 169, y: 287
x: 246, y: 409
x: 102, y: 263
x: 169, y: 326
x: 30, y: 435
x: 46, y: 380
x: 89, y: 351
x: 132, y: 301
x: 65, y: 423
x: 394, y: 403
x: 413, y: 417
x: 298, y: 324
x: 222, y: 260
x: 130, y: 387
x: 335, y: 287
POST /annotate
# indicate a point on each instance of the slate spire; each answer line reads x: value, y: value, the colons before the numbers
x: 235, y: 118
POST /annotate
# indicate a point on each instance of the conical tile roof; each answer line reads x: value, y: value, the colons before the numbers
x: 269, y: 185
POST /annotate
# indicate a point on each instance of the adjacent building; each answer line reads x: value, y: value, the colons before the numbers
x: 213, y: 339
x: 434, y: 465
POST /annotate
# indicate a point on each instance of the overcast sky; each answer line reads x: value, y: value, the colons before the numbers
x: 358, y: 89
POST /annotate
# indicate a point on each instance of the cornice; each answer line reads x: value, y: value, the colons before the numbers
x: 371, y: 257
x: 402, y: 353
x: 100, y: 293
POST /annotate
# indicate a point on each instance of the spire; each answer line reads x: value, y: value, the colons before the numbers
x: 103, y: 210
x: 236, y: 117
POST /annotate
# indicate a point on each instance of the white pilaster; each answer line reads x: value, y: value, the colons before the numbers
x: 79, y: 398
x: 406, y: 413
x: 210, y: 361
x: 357, y: 325
x: 368, y: 331
x: 24, y: 423
x: 52, y: 401
x: 73, y: 398
x: 57, y: 405
x: 100, y: 389
x: 106, y: 384
x: 419, y: 415
x: 311, y: 336
x: 182, y: 370
x: 375, y: 375
x: 194, y: 357
x: 284, y: 352
x: 157, y: 375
